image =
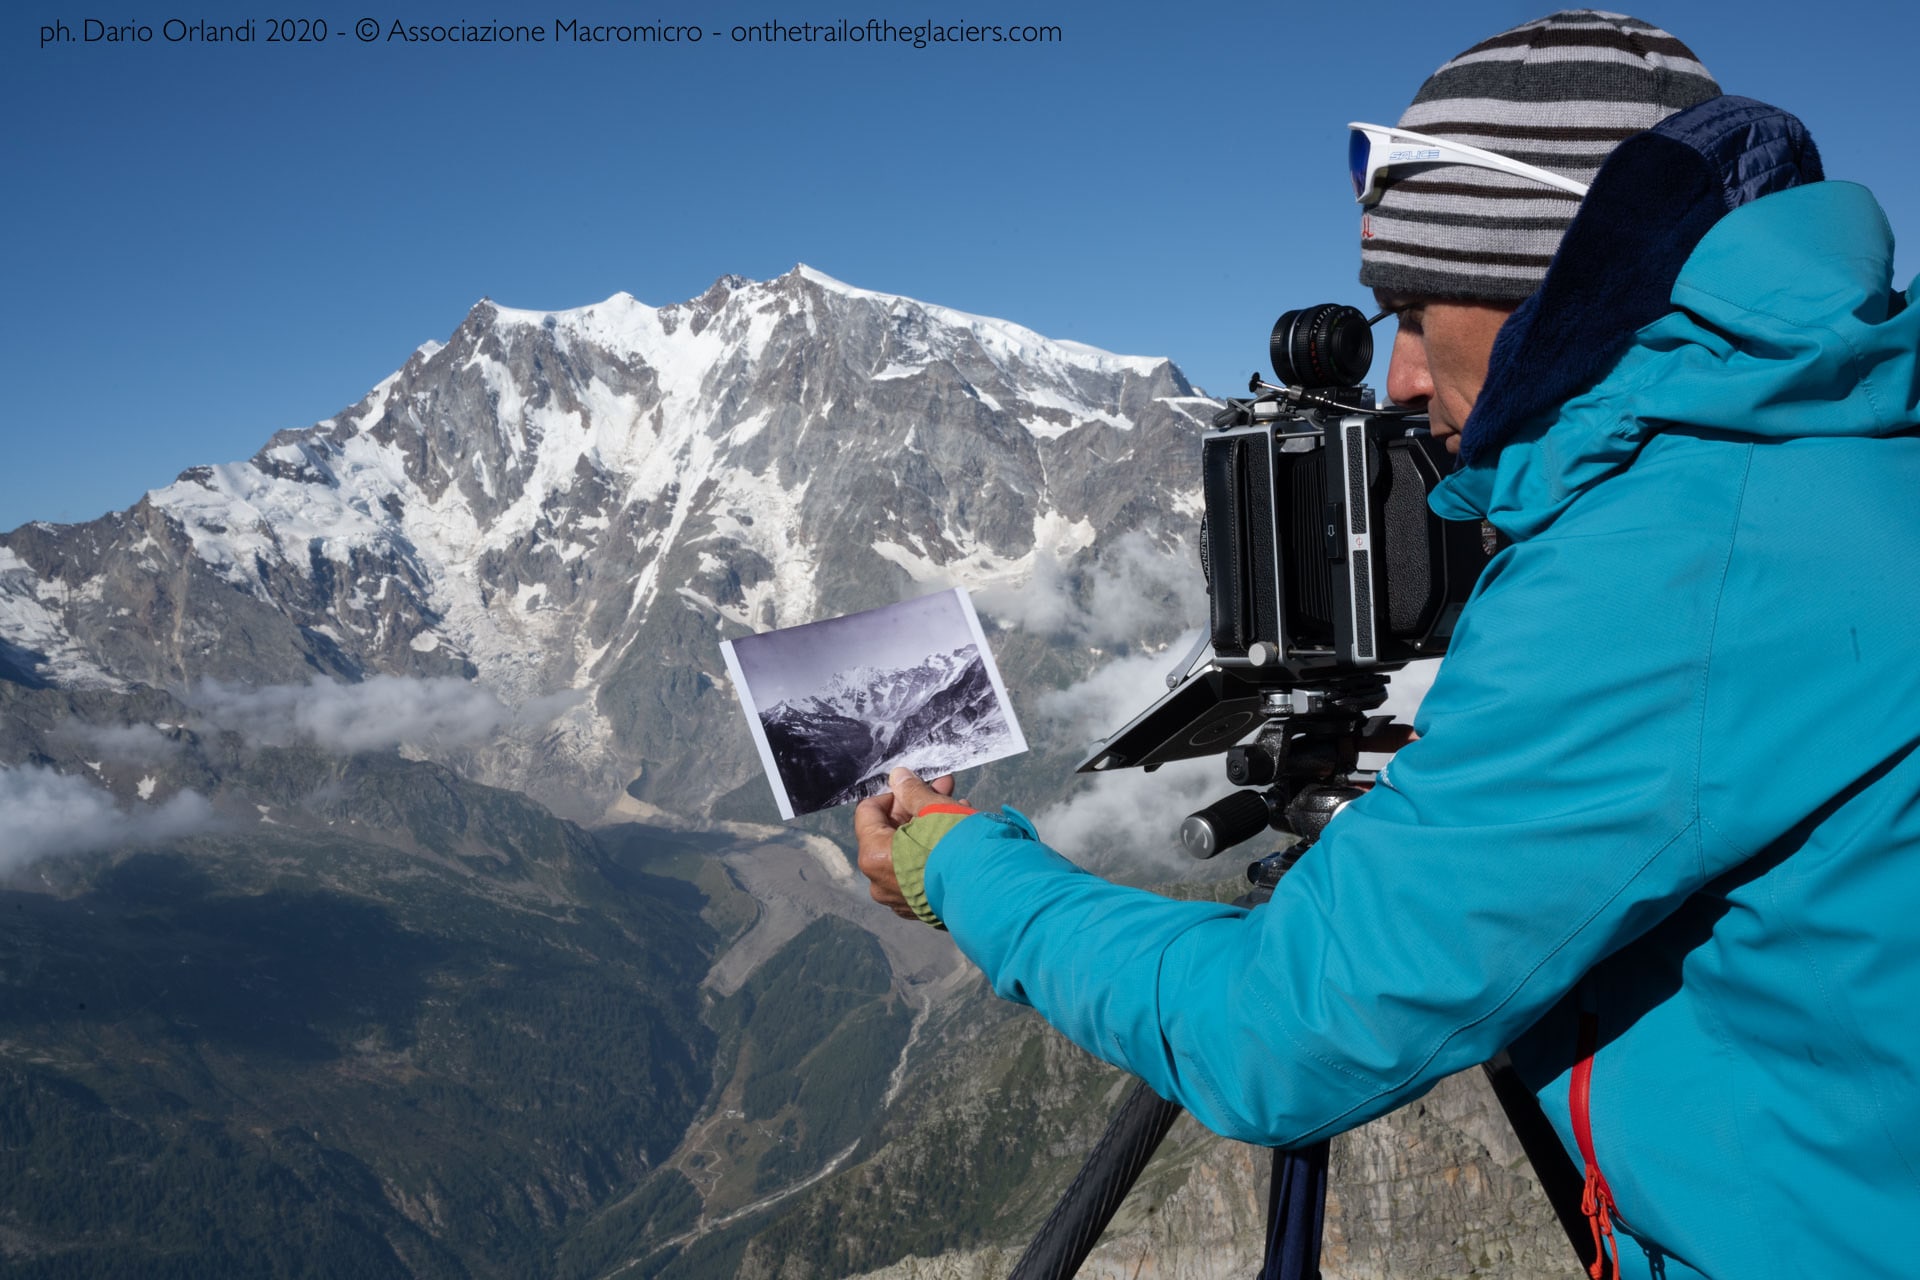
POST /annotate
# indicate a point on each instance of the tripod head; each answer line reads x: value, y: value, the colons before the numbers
x: 1297, y: 772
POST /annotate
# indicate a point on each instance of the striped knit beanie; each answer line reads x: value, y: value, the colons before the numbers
x: 1560, y: 93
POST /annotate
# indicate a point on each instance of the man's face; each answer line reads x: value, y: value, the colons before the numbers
x: 1440, y: 357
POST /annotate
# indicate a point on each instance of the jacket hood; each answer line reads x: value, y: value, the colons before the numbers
x: 1762, y: 310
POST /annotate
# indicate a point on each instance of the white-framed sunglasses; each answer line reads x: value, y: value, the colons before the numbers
x: 1372, y: 149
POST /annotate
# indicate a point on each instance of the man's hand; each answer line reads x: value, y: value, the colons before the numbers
x: 875, y: 821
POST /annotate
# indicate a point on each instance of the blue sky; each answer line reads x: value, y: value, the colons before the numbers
x: 206, y: 244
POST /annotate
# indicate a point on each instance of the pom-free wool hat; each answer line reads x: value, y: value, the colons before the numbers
x: 1560, y: 93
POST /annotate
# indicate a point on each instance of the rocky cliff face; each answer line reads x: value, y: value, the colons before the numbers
x: 1433, y: 1192
x: 1437, y: 1189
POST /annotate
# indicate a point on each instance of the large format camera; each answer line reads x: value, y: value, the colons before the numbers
x: 1325, y: 570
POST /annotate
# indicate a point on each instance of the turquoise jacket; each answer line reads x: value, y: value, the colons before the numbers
x: 1666, y: 775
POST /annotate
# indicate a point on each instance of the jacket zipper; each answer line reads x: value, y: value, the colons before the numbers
x: 1596, y: 1201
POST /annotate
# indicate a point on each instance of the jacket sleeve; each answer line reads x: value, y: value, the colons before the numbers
x: 1546, y: 817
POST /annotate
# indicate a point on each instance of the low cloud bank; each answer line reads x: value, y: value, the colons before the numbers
x: 1127, y: 818
x: 1135, y: 588
x: 1131, y: 819
x: 1112, y: 695
x: 51, y: 814
x: 379, y: 713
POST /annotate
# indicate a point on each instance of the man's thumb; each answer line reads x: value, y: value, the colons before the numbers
x: 914, y: 794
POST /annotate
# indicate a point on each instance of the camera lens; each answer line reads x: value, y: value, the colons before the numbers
x: 1325, y: 346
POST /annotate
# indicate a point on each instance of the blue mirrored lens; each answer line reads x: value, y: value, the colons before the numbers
x: 1359, y: 149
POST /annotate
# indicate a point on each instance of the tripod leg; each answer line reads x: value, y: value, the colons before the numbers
x: 1296, y: 1214
x: 1074, y: 1226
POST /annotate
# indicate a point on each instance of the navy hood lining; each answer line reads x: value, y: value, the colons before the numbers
x: 1658, y: 194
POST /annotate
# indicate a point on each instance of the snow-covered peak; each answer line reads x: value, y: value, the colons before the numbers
x: 881, y: 696
x: 1001, y: 338
x: 641, y: 403
x: 612, y: 316
x: 625, y: 325
x: 825, y: 281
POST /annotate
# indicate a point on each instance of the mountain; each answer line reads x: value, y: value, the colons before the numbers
x: 302, y: 972
x: 590, y: 500
x: 819, y: 752
x: 888, y: 696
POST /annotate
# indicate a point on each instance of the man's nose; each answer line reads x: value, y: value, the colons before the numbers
x: 1408, y: 379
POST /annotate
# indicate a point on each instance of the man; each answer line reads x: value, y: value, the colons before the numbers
x: 1660, y: 832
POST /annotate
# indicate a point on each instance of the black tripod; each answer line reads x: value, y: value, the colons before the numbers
x: 1305, y: 758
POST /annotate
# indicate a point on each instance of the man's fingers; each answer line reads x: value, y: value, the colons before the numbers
x: 873, y: 818
x: 876, y: 863
x: 913, y: 793
x: 873, y: 827
x: 876, y: 819
x: 876, y: 852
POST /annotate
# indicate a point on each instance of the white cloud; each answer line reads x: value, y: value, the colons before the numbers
x: 1112, y: 695
x: 1132, y: 819
x: 1128, y: 818
x: 376, y: 714
x: 49, y: 814
x: 1134, y: 589
x: 1042, y: 604
x: 138, y: 743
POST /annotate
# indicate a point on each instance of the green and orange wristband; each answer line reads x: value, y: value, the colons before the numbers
x: 913, y: 843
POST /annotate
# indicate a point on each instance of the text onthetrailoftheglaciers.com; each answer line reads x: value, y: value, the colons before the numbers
x: 841, y: 31
x: 278, y: 31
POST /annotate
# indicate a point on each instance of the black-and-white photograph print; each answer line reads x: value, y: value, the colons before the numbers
x: 836, y: 705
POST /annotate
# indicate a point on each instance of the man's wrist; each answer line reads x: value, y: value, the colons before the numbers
x: 913, y: 843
